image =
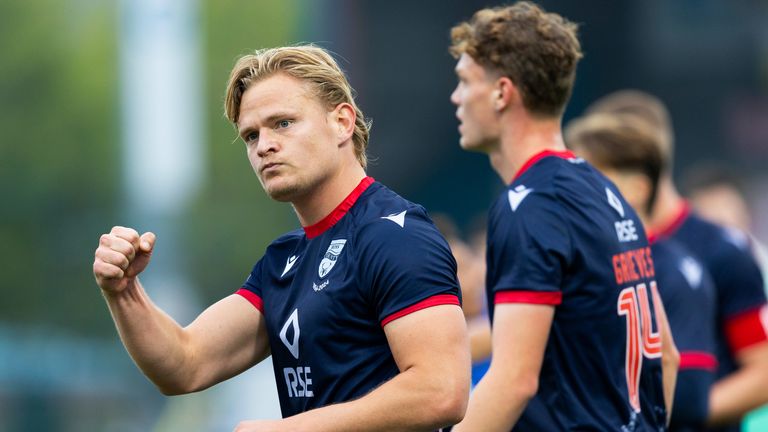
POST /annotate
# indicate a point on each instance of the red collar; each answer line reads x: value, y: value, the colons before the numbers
x: 652, y: 237
x: 682, y: 214
x: 327, y: 222
x: 566, y: 154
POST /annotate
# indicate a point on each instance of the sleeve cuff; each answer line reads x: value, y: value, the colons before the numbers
x: 252, y: 298
x: 436, y: 300
x: 553, y: 298
x: 698, y: 360
x: 747, y: 328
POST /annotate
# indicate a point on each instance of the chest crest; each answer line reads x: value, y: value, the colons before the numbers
x: 330, y: 257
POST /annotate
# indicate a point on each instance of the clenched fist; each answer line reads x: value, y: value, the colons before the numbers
x: 121, y: 256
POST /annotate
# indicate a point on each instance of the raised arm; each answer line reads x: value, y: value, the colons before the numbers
x: 430, y: 347
x: 224, y: 340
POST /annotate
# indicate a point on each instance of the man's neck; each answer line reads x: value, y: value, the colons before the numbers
x: 667, y: 207
x: 521, y: 141
x: 321, y: 200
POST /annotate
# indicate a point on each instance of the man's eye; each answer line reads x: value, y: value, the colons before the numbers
x: 284, y: 123
x: 252, y: 137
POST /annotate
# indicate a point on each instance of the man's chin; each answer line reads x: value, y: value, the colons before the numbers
x: 281, y: 192
x: 470, y: 146
x: 281, y: 195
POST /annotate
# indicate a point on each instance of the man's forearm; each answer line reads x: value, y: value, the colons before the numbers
x: 496, y: 404
x: 738, y: 393
x: 150, y: 336
x: 414, y: 400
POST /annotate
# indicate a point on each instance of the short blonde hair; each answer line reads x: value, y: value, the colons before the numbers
x: 308, y: 63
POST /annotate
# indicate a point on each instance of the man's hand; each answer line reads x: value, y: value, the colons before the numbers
x: 121, y: 256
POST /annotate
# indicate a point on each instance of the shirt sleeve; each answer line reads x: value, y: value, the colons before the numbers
x: 251, y: 289
x: 529, y: 250
x: 403, y: 269
x: 690, y: 305
x: 741, y: 297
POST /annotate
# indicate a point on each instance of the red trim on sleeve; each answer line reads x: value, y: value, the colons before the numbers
x: 553, y: 298
x: 698, y: 360
x: 254, y: 299
x: 747, y: 328
x: 566, y: 154
x: 318, y: 228
x: 435, y: 300
x: 682, y: 214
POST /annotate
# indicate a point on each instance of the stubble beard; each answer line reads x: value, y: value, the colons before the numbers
x: 278, y: 189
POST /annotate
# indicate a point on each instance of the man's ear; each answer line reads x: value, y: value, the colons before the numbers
x: 505, y: 94
x: 343, y: 118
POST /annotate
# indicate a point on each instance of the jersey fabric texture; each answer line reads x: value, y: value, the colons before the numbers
x: 562, y: 235
x: 689, y: 297
x: 740, y: 298
x: 327, y: 291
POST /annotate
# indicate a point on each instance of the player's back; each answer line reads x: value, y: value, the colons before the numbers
x: 740, y: 298
x: 563, y: 235
x: 688, y: 294
x: 738, y: 282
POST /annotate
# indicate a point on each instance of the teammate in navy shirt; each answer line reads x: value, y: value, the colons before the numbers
x: 624, y: 148
x: 742, y: 333
x: 578, y: 332
x: 359, y: 309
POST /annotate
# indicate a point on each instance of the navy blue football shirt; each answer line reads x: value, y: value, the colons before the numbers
x: 327, y: 291
x: 742, y: 315
x: 562, y: 235
x: 689, y: 297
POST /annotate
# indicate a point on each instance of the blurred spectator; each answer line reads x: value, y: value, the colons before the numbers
x: 470, y: 261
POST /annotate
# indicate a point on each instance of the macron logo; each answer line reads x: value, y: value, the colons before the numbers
x: 692, y: 272
x: 288, y: 264
x: 517, y: 196
x: 398, y: 218
x: 614, y: 201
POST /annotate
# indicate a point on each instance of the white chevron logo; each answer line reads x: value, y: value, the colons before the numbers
x: 398, y: 218
x: 614, y: 201
x: 289, y: 264
x: 517, y: 196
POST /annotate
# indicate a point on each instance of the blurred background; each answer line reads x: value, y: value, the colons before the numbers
x: 111, y: 114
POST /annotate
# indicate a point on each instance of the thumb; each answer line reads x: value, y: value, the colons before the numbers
x: 147, y: 242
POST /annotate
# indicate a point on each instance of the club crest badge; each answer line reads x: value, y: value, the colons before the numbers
x: 331, y: 256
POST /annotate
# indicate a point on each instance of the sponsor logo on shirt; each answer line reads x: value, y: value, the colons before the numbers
x: 298, y: 381
x: 625, y: 230
x: 331, y: 256
x: 291, y: 324
x: 320, y: 286
x: 614, y: 202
